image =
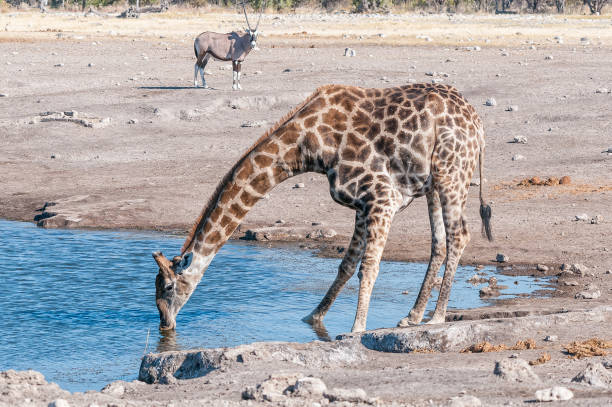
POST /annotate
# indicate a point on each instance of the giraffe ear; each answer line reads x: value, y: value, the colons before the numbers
x: 185, y: 262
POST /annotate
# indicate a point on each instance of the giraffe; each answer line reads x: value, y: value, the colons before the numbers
x: 380, y: 149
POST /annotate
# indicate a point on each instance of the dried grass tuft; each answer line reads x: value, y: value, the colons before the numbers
x: 545, y: 357
x: 588, y: 348
x: 485, y: 346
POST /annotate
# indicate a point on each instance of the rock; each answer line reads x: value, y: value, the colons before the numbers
x: 565, y: 180
x: 321, y: 234
x: 542, y: 267
x: 501, y: 258
x: 272, y: 388
x: 133, y: 121
x: 512, y: 108
x: 349, y: 395
x: 515, y: 370
x: 299, y: 185
x: 59, y: 403
x: 115, y: 389
x: 464, y: 401
x: 308, y: 387
x: 579, y: 269
x: 532, y: 47
x: 520, y: 139
x: 597, y: 219
x: 571, y: 283
x: 556, y: 393
x: 548, y: 57
x: 430, y: 73
x: 90, y: 65
x: 491, y: 102
x: 518, y: 157
x: 254, y: 123
x: 287, y: 70
x: 588, y: 295
x: 437, y: 80
x: 602, y: 90
x: 58, y: 65
x: 595, y: 374
x: 505, y: 54
x: 551, y: 338
x: 489, y: 291
x: 3, y: 95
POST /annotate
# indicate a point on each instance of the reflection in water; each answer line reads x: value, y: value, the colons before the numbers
x: 168, y: 341
x: 318, y: 327
x: 67, y: 311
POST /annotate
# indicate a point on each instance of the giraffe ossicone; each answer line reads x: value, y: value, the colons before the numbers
x: 380, y: 149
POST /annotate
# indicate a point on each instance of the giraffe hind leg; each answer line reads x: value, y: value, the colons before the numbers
x: 457, y: 238
x: 345, y: 272
x: 438, y: 252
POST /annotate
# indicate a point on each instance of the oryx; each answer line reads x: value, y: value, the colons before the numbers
x: 234, y: 46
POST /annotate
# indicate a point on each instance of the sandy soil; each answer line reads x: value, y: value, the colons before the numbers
x: 157, y: 172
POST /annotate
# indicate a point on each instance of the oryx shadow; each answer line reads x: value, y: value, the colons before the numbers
x: 175, y: 88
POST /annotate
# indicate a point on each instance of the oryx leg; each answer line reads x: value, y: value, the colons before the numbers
x: 236, y: 67
x: 438, y: 252
x: 345, y: 271
x: 200, y: 66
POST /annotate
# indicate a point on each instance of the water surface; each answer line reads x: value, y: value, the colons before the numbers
x: 79, y: 306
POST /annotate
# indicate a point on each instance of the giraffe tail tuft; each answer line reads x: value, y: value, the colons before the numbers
x: 485, y: 209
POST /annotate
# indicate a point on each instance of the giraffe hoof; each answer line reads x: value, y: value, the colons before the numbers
x: 405, y: 322
x: 435, y: 320
x: 312, y: 319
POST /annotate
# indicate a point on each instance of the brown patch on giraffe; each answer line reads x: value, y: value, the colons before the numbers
x: 310, y: 142
x: 229, y: 229
x: 335, y: 119
x: 373, y: 132
x: 379, y: 113
x: 345, y: 100
x: 412, y: 124
x: 263, y: 161
x: 355, y: 141
x: 361, y: 122
x: 391, y: 125
x: 367, y: 106
x: 364, y: 153
x: 279, y: 174
x: 261, y: 183
x: 356, y: 91
x: 269, y: 147
x: 348, y: 154
x: 425, y: 120
x: 207, y: 228
x: 213, y: 238
x: 311, y: 121
x: 225, y: 220
x: 385, y: 145
x: 435, y: 104
x: 247, y: 199
x: 404, y: 113
x: 237, y: 210
x: 214, y: 215
x: 312, y: 108
x: 288, y: 137
x: 392, y: 109
x: 291, y: 157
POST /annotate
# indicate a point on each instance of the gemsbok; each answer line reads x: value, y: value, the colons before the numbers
x: 233, y: 46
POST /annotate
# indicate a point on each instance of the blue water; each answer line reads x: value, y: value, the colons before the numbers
x: 79, y: 306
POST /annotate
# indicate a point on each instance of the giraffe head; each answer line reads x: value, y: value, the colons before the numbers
x: 172, y: 287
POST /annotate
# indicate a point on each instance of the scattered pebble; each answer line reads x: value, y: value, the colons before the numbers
x: 133, y: 121
x: 501, y: 258
x: 512, y: 108
x: 287, y: 70
x: 299, y: 185
x: 556, y: 393
x: 542, y: 267
x: 595, y: 374
x: 588, y: 295
x: 505, y: 54
x: 254, y: 123
x: 548, y: 57
x: 464, y: 401
x: 58, y: 65
x: 602, y: 90
x: 518, y: 157
x: 491, y: 102
x: 582, y: 217
x: 520, y: 139
x: 551, y: 338
x: 90, y: 65
x: 437, y: 80
x: 571, y: 283
x: 3, y: 95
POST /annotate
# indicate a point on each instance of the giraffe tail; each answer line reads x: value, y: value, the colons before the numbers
x: 485, y: 209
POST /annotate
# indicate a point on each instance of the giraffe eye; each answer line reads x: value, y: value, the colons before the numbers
x: 169, y: 286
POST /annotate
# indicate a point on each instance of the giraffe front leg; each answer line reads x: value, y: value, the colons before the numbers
x: 377, y: 230
x: 457, y: 238
x: 438, y: 252
x: 345, y: 272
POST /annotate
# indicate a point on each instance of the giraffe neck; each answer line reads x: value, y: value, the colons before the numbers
x: 259, y: 171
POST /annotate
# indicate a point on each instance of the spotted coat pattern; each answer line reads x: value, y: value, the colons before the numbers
x: 380, y: 149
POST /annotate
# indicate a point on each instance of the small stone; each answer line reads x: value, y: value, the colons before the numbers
x: 565, y: 180
x: 430, y: 73
x: 59, y: 403
x: 512, y: 108
x: 491, y: 102
x: 308, y: 387
x: 515, y: 370
x: 349, y: 52
x: 597, y: 219
x: 556, y: 393
x: 602, y: 90
x: 437, y: 80
x: 280, y: 221
x: 90, y: 65
x: 464, y: 401
x: 115, y: 389
x: 551, y: 338
x: 542, y: 267
x: 133, y: 121
x: 349, y: 395
x: 588, y: 295
x: 58, y: 65
x: 299, y: 185
x: 518, y: 157
x: 3, y: 95
x: 579, y: 269
x: 532, y: 47
x: 571, y: 283
x: 548, y: 57
x: 505, y: 54
x: 520, y: 140
x: 254, y: 123
x: 582, y: 217
x: 287, y: 70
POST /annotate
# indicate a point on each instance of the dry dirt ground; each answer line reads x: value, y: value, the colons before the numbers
x: 158, y: 146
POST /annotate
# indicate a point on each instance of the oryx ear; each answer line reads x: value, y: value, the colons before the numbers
x: 185, y: 262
